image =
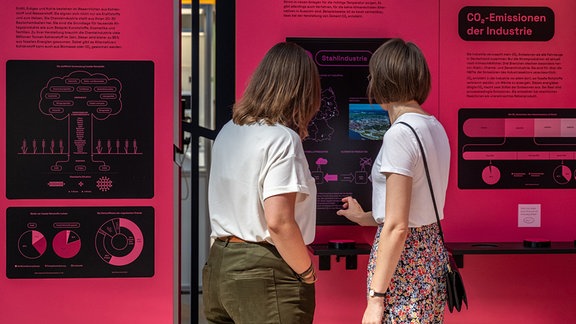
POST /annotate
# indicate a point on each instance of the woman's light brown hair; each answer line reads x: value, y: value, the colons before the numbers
x: 284, y: 89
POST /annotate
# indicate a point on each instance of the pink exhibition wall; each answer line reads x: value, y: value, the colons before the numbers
x: 498, y: 89
x: 87, y: 93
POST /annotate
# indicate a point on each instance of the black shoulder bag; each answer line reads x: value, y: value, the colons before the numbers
x: 455, y: 292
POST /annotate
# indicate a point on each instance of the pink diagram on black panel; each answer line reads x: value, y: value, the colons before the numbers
x: 80, y: 98
x: 119, y: 241
x: 79, y: 129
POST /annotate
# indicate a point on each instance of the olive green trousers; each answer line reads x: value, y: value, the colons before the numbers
x: 250, y: 283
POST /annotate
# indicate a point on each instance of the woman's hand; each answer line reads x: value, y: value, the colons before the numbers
x: 352, y: 210
x: 374, y: 311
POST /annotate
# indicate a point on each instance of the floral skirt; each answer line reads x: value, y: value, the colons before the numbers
x: 417, y: 291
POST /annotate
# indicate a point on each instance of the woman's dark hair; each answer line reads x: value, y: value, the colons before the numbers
x: 398, y: 73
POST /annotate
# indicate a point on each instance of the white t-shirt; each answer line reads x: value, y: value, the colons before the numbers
x: 249, y: 164
x: 400, y: 154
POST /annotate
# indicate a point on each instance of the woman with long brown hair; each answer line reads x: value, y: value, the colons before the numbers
x: 262, y: 198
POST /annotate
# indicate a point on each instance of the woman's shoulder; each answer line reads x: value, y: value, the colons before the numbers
x: 420, y: 122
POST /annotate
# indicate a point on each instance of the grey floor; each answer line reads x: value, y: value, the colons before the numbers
x: 185, y: 310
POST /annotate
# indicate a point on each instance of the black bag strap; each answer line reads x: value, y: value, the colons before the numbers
x: 461, y: 292
x: 429, y: 180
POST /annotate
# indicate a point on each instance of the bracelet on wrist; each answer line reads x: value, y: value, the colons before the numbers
x: 307, y: 271
x: 309, y: 275
x: 310, y: 279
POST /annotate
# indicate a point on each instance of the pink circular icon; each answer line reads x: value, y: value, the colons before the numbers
x: 66, y: 244
x: 119, y: 241
x: 491, y: 174
x: 32, y: 244
x: 562, y: 174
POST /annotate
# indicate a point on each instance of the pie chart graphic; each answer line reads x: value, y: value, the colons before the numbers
x: 562, y: 174
x: 66, y: 244
x: 119, y: 242
x: 32, y: 244
x: 491, y: 175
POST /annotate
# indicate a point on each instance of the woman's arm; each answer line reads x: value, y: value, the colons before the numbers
x: 391, y: 243
x: 285, y: 233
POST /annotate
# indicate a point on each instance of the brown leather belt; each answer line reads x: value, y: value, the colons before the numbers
x: 236, y: 239
x: 231, y: 239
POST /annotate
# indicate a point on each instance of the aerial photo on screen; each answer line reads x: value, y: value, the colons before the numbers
x: 367, y: 122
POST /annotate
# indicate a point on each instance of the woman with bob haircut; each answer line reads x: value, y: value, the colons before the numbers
x: 408, y: 258
x: 262, y: 198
